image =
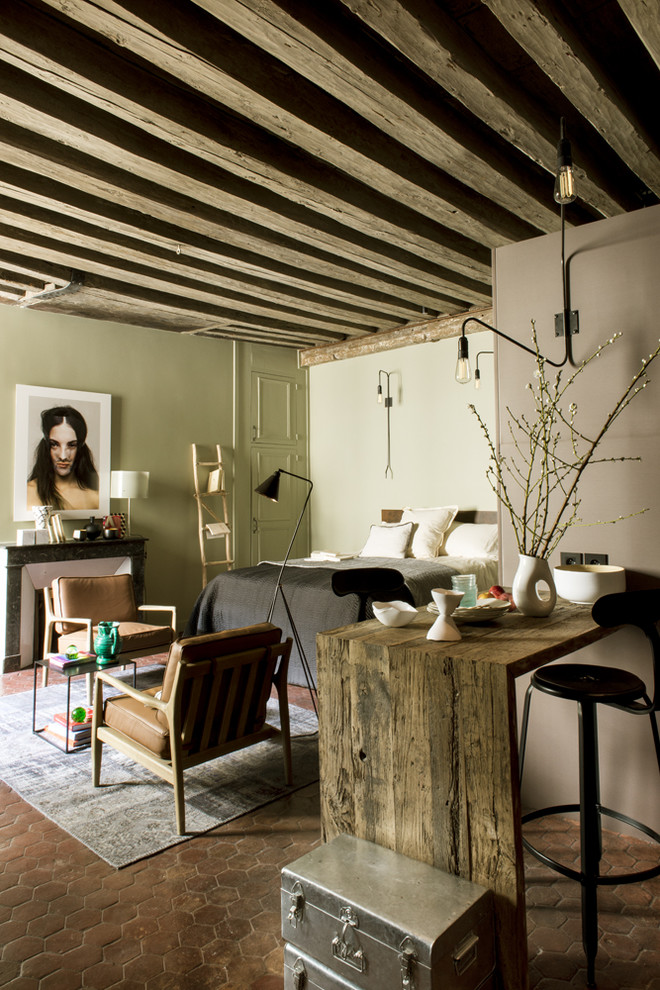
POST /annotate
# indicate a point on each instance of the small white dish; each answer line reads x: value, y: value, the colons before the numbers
x: 394, y: 613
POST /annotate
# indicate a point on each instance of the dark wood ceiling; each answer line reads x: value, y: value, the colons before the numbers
x: 305, y: 171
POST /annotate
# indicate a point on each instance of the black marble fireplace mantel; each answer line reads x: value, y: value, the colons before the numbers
x: 26, y: 569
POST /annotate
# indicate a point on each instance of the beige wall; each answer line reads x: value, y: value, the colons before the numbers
x: 168, y: 391
x: 437, y: 452
x: 615, y: 287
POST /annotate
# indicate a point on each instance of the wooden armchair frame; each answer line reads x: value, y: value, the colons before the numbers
x: 217, y: 705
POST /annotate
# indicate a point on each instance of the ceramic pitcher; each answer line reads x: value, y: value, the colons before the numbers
x: 107, y: 643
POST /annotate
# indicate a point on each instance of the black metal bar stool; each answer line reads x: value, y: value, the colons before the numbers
x: 591, y: 685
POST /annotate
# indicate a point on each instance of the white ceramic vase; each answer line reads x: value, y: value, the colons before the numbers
x: 534, y: 576
x: 41, y: 515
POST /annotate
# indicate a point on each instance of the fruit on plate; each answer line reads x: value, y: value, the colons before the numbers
x: 484, y: 594
x: 496, y: 591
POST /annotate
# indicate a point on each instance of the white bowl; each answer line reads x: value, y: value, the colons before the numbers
x: 394, y: 613
x: 583, y: 584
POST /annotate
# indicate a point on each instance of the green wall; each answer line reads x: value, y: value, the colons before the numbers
x: 438, y: 455
x: 168, y: 391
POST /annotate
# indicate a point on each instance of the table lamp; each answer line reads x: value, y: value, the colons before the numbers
x: 128, y: 485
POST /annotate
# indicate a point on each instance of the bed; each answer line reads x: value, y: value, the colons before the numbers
x: 241, y: 597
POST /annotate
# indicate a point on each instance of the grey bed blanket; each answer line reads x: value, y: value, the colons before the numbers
x: 242, y: 597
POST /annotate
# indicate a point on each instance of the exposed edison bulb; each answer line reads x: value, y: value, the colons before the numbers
x: 380, y: 394
x: 477, y: 378
x: 565, y: 191
x: 463, y: 374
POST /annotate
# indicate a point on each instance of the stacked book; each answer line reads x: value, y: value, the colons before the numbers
x: 61, y: 660
x: 80, y: 733
x: 328, y: 555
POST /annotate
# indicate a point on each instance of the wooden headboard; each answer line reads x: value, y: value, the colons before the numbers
x: 463, y: 515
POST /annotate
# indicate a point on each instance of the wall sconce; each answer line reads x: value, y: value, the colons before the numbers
x: 566, y: 322
x: 477, y: 373
x: 388, y: 406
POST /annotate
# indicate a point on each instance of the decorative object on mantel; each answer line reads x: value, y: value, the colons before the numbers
x: 55, y: 528
x: 128, y: 485
x: 538, y: 487
x: 444, y: 629
x: 41, y: 515
x: 93, y: 529
x: 111, y: 528
x: 388, y: 407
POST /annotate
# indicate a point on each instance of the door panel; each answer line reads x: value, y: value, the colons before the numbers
x: 276, y: 444
x: 272, y: 522
x: 274, y: 409
x: 271, y: 433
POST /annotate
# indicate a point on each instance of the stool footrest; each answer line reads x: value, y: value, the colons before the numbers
x: 608, y: 880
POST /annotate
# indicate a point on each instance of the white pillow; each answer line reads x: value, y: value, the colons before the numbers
x: 429, y: 528
x: 471, y: 540
x: 387, y: 540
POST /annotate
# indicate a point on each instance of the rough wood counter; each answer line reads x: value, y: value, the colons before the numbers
x: 418, y: 747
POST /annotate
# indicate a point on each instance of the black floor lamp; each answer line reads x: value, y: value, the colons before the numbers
x: 270, y: 488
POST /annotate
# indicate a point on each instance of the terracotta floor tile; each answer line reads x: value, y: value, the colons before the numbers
x: 205, y: 914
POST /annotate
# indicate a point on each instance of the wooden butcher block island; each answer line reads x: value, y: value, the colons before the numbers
x: 419, y: 751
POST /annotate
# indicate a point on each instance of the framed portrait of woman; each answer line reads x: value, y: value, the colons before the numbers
x: 62, y: 455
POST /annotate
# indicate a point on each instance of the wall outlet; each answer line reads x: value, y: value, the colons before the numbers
x: 571, y: 558
x: 596, y: 558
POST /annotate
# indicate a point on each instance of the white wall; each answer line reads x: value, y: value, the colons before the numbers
x: 438, y: 455
x: 615, y: 287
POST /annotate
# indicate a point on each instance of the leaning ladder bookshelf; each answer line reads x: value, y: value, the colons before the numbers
x: 212, y: 515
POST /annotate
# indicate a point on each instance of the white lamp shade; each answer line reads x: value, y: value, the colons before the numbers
x: 129, y: 484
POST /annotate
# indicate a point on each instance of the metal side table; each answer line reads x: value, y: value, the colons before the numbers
x: 69, y: 672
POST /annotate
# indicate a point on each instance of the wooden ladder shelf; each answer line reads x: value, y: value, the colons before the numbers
x: 212, y: 515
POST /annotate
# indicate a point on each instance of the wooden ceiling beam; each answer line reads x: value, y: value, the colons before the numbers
x: 78, y: 254
x: 643, y: 16
x: 428, y: 36
x: 346, y: 66
x: 141, y: 157
x: 192, y: 275
x: 248, y: 270
x: 565, y: 60
x: 225, y: 67
x: 129, y: 300
x: 29, y: 151
x: 422, y: 332
x: 107, y: 82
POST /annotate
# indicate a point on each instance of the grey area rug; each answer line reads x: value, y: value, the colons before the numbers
x: 131, y: 815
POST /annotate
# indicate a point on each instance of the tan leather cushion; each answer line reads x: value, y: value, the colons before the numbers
x: 217, y: 644
x: 134, y: 636
x: 109, y: 598
x: 141, y: 724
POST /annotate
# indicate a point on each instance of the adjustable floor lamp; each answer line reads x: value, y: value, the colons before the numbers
x: 270, y: 488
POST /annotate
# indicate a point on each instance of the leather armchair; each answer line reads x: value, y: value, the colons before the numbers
x: 76, y: 605
x: 212, y: 701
